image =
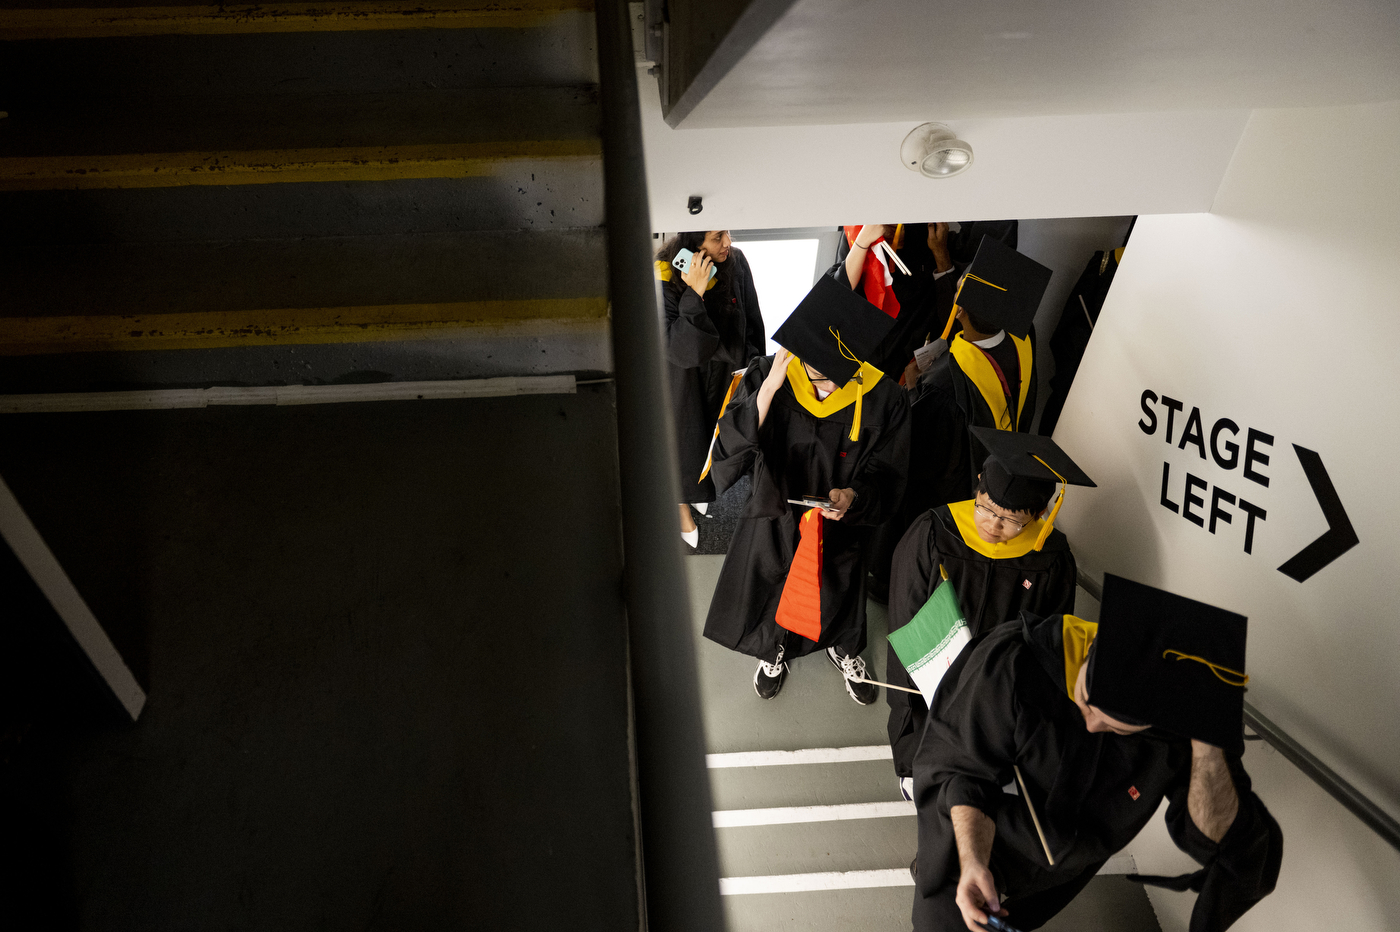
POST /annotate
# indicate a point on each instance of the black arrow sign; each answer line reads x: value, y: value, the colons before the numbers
x: 1340, y: 536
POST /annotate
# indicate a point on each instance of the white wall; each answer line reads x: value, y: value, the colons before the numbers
x: 1279, y: 309
x: 1066, y: 166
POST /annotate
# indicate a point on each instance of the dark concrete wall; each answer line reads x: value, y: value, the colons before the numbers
x: 384, y: 646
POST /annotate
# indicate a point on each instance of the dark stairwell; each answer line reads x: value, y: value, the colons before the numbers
x: 385, y: 644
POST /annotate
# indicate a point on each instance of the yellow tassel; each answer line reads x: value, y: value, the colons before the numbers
x: 1050, y: 522
x: 855, y: 420
x: 948, y: 328
x: 1214, y: 668
x: 860, y: 382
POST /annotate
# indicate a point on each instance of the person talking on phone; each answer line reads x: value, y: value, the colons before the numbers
x: 825, y: 435
x: 713, y: 327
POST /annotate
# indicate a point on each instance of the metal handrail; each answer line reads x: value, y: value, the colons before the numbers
x: 1357, y: 803
x: 679, y: 869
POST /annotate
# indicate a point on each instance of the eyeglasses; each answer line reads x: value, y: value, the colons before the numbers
x: 993, y: 516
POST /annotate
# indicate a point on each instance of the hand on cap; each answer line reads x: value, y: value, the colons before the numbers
x: 778, y: 374
x: 938, y: 245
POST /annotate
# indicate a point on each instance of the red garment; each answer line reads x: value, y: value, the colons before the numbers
x: 873, y: 277
x: 800, y: 606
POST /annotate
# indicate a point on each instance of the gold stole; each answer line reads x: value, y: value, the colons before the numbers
x: 1078, y: 635
x: 850, y: 393
x: 1018, y: 546
x: 975, y: 365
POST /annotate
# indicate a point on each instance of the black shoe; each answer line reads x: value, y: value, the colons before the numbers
x: 768, y: 678
x: 853, y: 670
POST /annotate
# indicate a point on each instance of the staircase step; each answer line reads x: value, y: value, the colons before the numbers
x: 202, y: 278
x: 528, y: 348
x: 803, y: 785
x: 486, y: 118
x: 811, y: 847
x: 107, y: 21
x: 67, y: 73
x: 525, y: 194
x: 870, y: 909
x: 813, y: 709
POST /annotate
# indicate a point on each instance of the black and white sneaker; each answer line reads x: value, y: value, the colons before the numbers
x: 853, y: 670
x: 768, y: 678
x: 906, y: 788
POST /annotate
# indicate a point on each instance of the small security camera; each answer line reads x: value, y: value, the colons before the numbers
x: 694, y: 205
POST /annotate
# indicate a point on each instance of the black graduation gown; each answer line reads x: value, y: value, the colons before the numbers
x: 989, y: 590
x: 705, y: 343
x: 1072, y: 333
x: 944, y: 465
x: 795, y: 453
x: 1004, y: 702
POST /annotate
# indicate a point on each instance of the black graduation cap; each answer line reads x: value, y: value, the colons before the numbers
x: 1170, y: 661
x: 833, y: 316
x: 1021, y: 470
x: 1002, y: 288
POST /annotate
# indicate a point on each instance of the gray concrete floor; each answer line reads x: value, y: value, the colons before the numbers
x: 814, y: 711
x: 384, y: 648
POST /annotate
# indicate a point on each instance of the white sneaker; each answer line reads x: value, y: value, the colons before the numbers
x: 702, y: 507
x: 692, y: 538
x: 853, y: 670
x: 906, y: 788
x: 768, y: 678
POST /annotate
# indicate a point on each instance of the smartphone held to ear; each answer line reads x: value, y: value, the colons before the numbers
x: 682, y: 263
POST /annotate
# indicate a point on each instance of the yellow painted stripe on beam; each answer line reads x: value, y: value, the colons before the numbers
x: 230, y: 19
x: 279, y: 166
x: 28, y: 336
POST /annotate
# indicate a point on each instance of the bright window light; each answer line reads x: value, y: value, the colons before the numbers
x: 783, y: 271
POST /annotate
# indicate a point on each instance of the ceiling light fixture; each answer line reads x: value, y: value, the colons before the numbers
x: 932, y: 150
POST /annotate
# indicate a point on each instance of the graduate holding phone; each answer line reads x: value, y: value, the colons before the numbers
x: 826, y: 437
x: 713, y: 327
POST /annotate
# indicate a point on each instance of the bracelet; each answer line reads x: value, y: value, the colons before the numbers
x: 859, y: 246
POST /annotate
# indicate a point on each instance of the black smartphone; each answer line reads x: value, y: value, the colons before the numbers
x: 997, y: 924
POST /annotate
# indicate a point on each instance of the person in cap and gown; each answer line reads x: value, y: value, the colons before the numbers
x: 713, y: 327
x: 936, y: 254
x: 822, y: 424
x: 999, y: 551
x: 1076, y: 325
x: 1092, y: 726
x: 986, y: 377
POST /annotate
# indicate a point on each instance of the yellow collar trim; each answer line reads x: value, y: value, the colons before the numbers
x: 1018, y: 546
x: 850, y: 393
x: 975, y: 366
x: 664, y: 271
x: 1078, y: 635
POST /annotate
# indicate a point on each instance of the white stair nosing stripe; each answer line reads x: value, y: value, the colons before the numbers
x: 162, y: 399
x: 788, y: 815
x: 826, y: 880
x: 806, y: 756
